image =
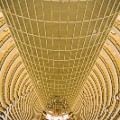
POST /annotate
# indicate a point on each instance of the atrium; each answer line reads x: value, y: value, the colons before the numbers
x: 59, y: 59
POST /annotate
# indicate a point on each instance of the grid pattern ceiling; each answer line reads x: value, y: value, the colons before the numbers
x: 59, y: 41
x: 99, y: 98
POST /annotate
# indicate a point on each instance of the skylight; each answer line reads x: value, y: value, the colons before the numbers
x: 50, y: 117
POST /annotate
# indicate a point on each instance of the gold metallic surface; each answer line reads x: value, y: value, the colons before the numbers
x: 60, y: 44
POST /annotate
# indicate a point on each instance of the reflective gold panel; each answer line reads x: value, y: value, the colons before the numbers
x: 59, y: 41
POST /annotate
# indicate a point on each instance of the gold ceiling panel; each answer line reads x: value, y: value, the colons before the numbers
x: 59, y: 41
x: 99, y: 98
